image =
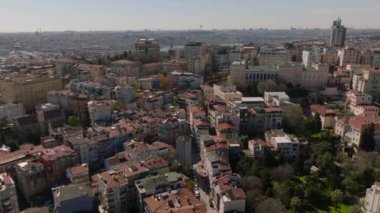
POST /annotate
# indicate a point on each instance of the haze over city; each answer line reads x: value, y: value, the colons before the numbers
x: 117, y: 15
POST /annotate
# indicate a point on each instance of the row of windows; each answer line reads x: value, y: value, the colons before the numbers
x: 260, y: 76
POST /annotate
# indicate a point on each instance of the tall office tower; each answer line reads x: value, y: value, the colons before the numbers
x: 338, y: 34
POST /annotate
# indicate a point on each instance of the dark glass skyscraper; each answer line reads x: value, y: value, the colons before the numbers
x: 338, y: 34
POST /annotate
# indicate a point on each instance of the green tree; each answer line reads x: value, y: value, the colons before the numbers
x: 336, y: 197
x: 367, y: 141
x: 296, y: 204
x: 73, y: 121
x: 356, y: 209
x: 293, y: 118
x: 317, y: 122
x: 266, y: 86
x: 270, y: 205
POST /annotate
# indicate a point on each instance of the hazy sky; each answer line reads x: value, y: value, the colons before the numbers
x: 58, y: 15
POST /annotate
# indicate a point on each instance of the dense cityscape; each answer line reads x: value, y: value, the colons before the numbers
x: 252, y: 120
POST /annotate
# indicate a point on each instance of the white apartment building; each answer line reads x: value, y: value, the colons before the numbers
x: 372, y: 199
x: 275, y: 99
x: 312, y: 56
x: 367, y: 81
x: 286, y: 145
x: 99, y: 111
x: 354, y: 98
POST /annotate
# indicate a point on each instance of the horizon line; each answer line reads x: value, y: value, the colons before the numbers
x: 194, y: 29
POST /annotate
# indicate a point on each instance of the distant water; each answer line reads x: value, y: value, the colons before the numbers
x: 166, y: 48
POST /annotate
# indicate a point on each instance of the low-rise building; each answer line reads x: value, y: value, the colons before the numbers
x: 326, y: 115
x: 73, y: 198
x: 227, y: 92
x: 8, y: 194
x: 286, y: 144
x: 276, y: 99
x: 181, y: 200
x: 351, y: 128
x: 78, y: 174
x: 157, y: 184
x: 228, y: 195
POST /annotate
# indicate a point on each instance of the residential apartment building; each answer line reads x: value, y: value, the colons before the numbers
x: 78, y: 174
x: 181, y: 200
x: 372, y: 199
x: 183, y: 150
x: 326, y: 115
x: 226, y: 92
x: 351, y: 128
x: 285, y: 144
x: 348, y: 55
x: 8, y: 194
x: 55, y: 161
x: 31, y: 178
x: 125, y: 68
x: 170, y: 129
x: 256, y: 120
x: 276, y: 99
x: 99, y: 111
x: 228, y: 195
x: 367, y: 81
x: 196, y: 65
x: 152, y: 185
x: 193, y: 49
x: 73, y: 198
x: 147, y: 50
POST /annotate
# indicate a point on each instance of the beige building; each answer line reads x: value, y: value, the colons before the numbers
x: 29, y: 90
x: 242, y: 74
x: 11, y: 111
x: 313, y: 77
x: 270, y: 57
x: 348, y: 55
x: 227, y: 92
x: 326, y: 115
x: 351, y: 128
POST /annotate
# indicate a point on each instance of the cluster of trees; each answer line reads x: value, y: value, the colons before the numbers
x: 279, y: 186
x: 7, y: 135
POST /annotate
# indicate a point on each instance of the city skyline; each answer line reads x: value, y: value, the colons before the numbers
x: 117, y: 15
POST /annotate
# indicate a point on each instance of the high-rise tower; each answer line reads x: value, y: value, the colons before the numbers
x: 338, y: 34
